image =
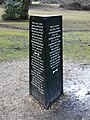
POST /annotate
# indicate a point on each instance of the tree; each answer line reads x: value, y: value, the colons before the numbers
x: 26, y: 7
x: 16, y: 9
x: 1, y: 1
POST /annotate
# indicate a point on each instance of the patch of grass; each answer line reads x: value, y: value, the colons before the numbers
x: 13, y: 43
x: 72, y: 25
x: 77, y: 45
x: 76, y: 20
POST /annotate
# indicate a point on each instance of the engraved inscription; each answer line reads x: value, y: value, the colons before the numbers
x: 54, y: 45
x: 37, y: 62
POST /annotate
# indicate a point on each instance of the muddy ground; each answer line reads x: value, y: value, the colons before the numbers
x: 16, y: 104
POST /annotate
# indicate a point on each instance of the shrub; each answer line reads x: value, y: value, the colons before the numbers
x: 1, y: 1
x: 14, y: 10
x: 74, y: 6
x: 86, y: 6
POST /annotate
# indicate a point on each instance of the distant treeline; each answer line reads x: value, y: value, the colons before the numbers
x: 76, y: 4
x: 69, y: 4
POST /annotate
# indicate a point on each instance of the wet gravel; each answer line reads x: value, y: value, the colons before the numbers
x: 16, y: 104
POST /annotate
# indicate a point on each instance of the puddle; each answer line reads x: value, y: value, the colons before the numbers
x: 77, y: 87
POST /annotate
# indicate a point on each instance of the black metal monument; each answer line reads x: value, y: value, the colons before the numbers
x: 46, y: 60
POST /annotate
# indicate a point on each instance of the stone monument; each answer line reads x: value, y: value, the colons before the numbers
x: 46, y: 59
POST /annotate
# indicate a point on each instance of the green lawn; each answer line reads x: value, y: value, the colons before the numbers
x: 77, y: 45
x: 14, y: 43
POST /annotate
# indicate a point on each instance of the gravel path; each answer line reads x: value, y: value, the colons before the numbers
x: 16, y: 104
x: 13, y: 89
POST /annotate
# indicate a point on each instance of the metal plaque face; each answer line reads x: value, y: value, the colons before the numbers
x: 46, y: 66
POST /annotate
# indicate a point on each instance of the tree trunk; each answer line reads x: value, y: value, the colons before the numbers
x: 30, y: 2
x: 26, y: 5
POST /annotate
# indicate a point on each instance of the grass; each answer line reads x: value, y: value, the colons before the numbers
x: 77, y: 45
x: 14, y: 43
x: 77, y: 37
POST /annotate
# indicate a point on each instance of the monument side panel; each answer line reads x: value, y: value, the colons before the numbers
x: 37, y: 58
x: 54, y: 58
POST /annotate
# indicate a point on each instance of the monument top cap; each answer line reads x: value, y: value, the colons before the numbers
x: 55, y: 15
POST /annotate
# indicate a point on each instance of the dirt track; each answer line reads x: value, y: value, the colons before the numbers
x: 13, y: 27
x: 16, y: 104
